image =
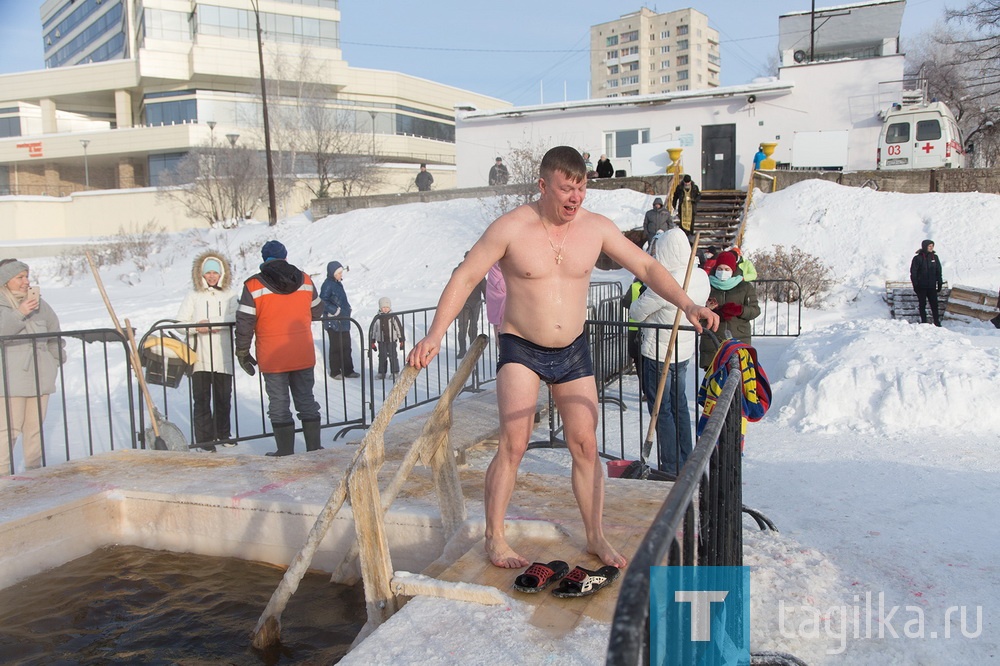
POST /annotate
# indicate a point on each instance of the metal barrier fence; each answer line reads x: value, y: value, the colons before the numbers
x: 96, y: 406
x: 699, y: 524
x: 780, y: 309
x: 91, y: 408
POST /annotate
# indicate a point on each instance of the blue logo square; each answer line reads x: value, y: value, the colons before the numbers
x: 699, y: 615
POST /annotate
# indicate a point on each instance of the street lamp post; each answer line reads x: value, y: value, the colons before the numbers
x: 86, y: 166
x: 373, y: 114
x: 237, y: 213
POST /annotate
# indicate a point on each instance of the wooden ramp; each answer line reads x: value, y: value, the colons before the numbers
x: 545, y: 535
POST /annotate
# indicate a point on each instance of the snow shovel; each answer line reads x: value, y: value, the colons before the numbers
x: 158, y: 423
x: 640, y: 469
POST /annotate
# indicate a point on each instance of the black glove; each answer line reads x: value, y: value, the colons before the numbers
x: 246, y: 361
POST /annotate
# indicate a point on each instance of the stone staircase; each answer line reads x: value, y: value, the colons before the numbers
x: 718, y: 217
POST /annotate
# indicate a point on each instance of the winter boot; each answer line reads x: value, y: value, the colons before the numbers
x: 284, y: 437
x: 310, y: 430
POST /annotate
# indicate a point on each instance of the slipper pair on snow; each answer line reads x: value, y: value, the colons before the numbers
x: 579, y: 582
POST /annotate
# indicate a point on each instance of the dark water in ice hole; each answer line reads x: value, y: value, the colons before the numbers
x: 127, y: 605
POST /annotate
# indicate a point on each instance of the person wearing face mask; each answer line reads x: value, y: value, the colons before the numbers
x: 28, y: 368
x: 734, y: 300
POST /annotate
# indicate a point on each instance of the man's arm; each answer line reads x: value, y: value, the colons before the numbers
x: 655, y: 276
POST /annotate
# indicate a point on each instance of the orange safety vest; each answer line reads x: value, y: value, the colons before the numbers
x: 283, y: 331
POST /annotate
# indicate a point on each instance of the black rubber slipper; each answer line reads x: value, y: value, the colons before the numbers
x: 582, y: 582
x: 539, y: 576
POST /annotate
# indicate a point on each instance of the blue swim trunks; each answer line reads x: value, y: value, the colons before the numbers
x: 553, y: 365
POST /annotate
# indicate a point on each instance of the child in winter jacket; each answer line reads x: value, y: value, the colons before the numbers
x: 386, y: 334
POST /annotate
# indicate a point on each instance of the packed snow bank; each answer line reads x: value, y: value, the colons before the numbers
x: 868, y: 237
x: 889, y: 376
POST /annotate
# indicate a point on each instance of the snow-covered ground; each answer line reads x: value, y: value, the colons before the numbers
x: 878, y: 461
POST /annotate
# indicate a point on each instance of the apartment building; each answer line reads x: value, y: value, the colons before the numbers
x: 131, y: 86
x: 645, y: 53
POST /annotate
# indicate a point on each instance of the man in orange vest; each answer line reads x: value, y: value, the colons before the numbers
x: 278, y: 306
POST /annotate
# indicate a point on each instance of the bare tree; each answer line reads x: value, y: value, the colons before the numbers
x: 523, y: 162
x: 308, y: 128
x: 971, y: 88
x: 218, y: 185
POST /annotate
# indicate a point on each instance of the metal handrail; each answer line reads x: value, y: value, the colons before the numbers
x: 705, y: 475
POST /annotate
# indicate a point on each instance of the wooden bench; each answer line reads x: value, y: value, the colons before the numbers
x: 972, y: 302
x: 903, y: 304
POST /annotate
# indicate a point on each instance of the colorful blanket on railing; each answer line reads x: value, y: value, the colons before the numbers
x: 756, y: 387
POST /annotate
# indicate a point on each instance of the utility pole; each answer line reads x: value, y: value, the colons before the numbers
x: 272, y: 207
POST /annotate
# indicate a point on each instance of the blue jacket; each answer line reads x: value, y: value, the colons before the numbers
x: 335, y: 303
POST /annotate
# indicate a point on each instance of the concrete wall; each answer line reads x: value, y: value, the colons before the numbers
x: 917, y: 181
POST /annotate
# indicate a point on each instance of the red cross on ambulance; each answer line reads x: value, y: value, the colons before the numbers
x: 927, y: 148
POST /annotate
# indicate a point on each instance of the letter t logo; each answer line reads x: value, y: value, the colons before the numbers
x: 701, y: 605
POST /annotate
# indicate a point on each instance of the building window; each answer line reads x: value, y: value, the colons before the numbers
x: 665, y: 78
x: 613, y: 70
x: 682, y: 44
x: 10, y: 127
x: 160, y: 165
x: 104, y: 24
x: 241, y: 24
x: 163, y: 24
x: 630, y: 80
x: 82, y: 12
x: 652, y: 37
x: 664, y: 34
x: 681, y: 88
x: 613, y: 83
x: 618, y: 144
x: 682, y: 60
x: 613, y: 55
x: 682, y: 30
x: 664, y: 49
x: 632, y: 50
x: 682, y: 75
x: 631, y: 36
x: 631, y: 67
x: 171, y: 113
x: 611, y: 41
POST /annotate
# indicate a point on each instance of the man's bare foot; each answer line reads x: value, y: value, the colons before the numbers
x: 503, y: 556
x: 604, y: 550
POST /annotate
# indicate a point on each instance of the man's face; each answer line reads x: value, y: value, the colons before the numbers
x: 562, y: 195
x: 687, y: 186
x: 657, y: 206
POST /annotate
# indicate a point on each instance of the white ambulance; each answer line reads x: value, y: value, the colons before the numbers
x: 919, y: 136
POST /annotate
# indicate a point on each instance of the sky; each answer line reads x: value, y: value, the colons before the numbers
x: 521, y: 51
x: 876, y: 460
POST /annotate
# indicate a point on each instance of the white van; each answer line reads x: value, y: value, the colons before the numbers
x: 919, y: 136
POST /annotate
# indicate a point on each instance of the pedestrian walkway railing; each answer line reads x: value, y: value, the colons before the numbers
x: 699, y: 524
x: 92, y: 407
x: 780, y: 309
x: 96, y: 405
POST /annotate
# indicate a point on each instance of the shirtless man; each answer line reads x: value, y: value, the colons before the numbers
x: 547, y: 250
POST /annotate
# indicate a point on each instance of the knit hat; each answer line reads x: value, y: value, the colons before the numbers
x: 9, y: 268
x: 273, y: 250
x: 384, y: 302
x: 211, y: 264
x: 726, y: 259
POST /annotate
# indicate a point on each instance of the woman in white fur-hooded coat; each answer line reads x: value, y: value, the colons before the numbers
x: 212, y: 301
x: 207, y: 304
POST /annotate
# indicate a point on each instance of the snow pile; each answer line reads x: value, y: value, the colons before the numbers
x: 869, y: 237
x: 889, y: 377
